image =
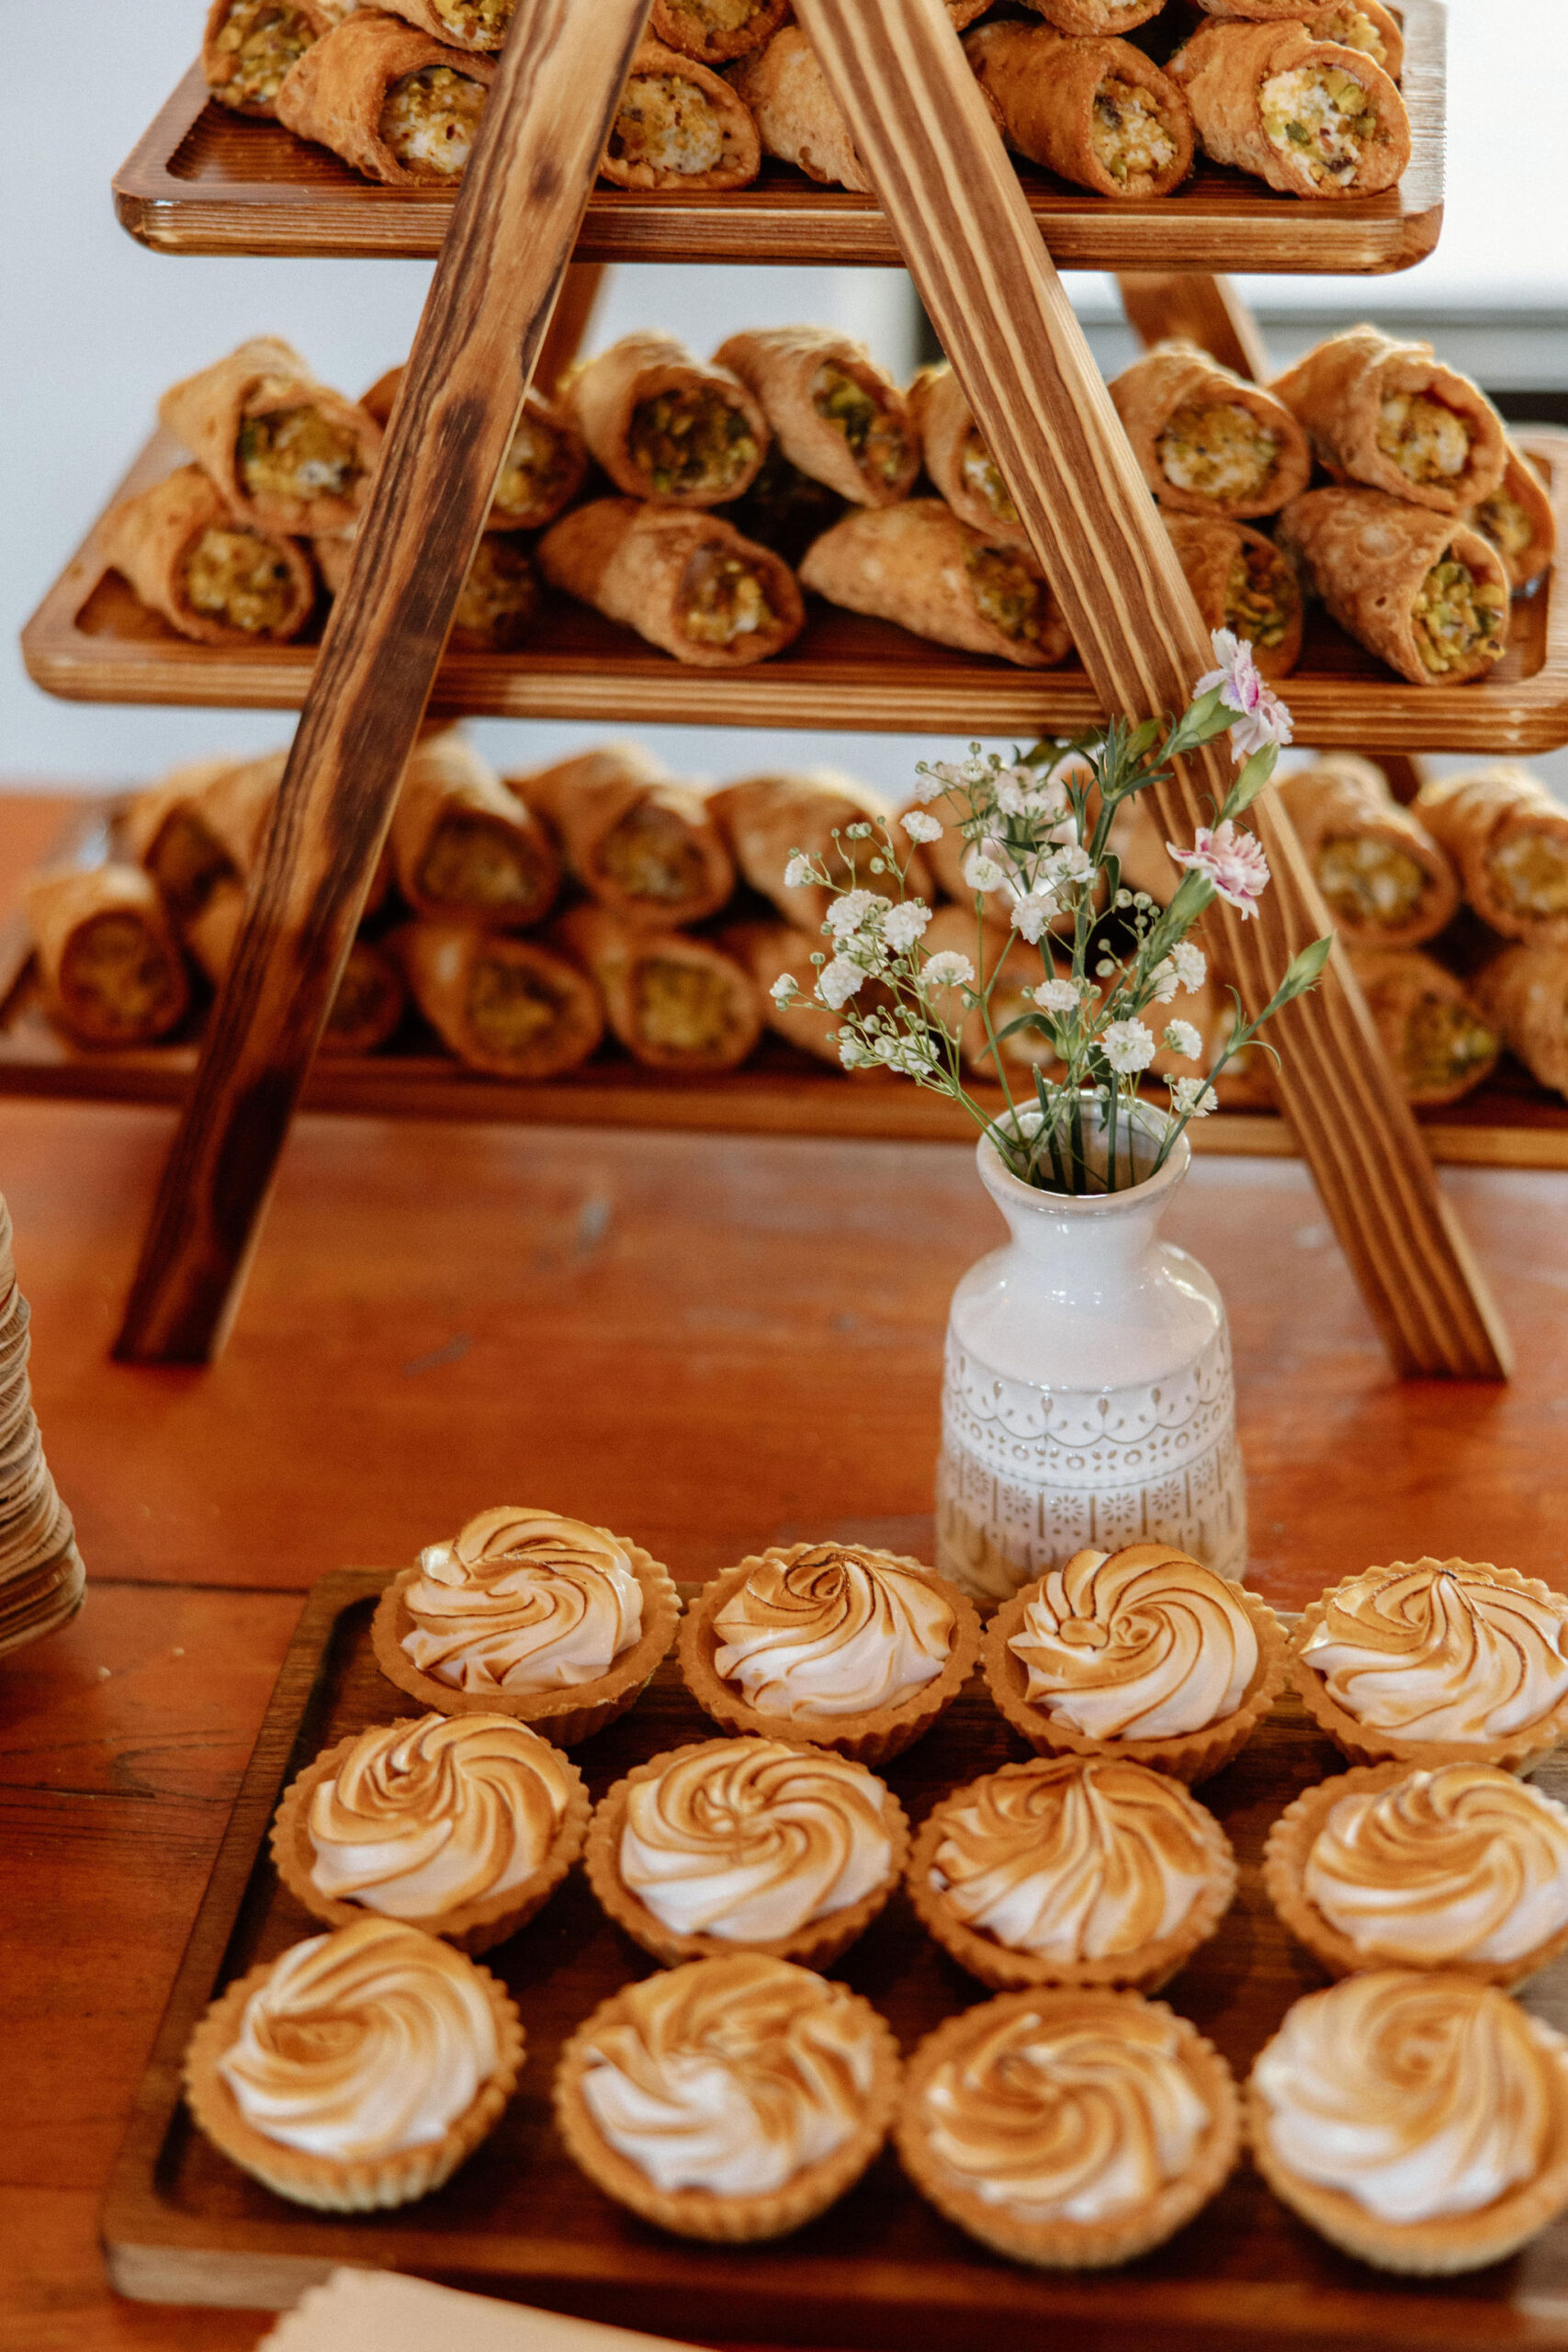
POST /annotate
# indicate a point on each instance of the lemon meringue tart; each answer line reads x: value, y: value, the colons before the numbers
x: 1419, y: 2121
x: 729, y: 2099
x: 461, y: 1824
x: 357, y: 2070
x: 829, y: 1645
x: 528, y: 1614
x: 747, y: 1845
x: 1072, y: 2128
x: 1072, y: 1870
x: 1142, y: 1653
x: 1436, y: 1661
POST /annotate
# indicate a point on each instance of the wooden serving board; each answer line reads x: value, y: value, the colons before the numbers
x: 181, y: 2224
x: 90, y: 640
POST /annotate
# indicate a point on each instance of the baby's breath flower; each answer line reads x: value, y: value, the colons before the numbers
x: 1191, y: 1097
x: 1192, y: 964
x: 838, y: 982
x: 1165, y: 979
x: 982, y: 873
x: 1030, y: 914
x: 947, y: 970
x: 848, y: 914
x: 1128, y: 1046
x: 920, y: 827
x: 1182, y: 1037
x: 851, y: 1052
x: 784, y: 990
x: 798, y: 873
x: 905, y: 923
x: 857, y: 833
x: 1058, y: 996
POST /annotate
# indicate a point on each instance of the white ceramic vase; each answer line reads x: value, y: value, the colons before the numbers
x: 1088, y: 1398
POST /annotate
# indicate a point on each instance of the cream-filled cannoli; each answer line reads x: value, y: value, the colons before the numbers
x: 464, y: 846
x: 213, y: 579
x: 109, y: 963
x: 1426, y: 594
x: 1523, y: 991
x: 1440, y: 1046
x: 675, y: 1004
x: 462, y: 24
x: 1520, y: 521
x: 499, y: 596
x: 716, y: 31
x: 1385, y: 879
x: 287, y: 453
x: 663, y: 425
x: 508, y: 1006
x: 830, y: 409
x: 545, y: 463
x: 249, y: 45
x: 1241, y: 582
x: 370, y: 997
x: 680, y: 126
x: 766, y: 819
x: 1311, y: 118
x: 797, y: 117
x: 642, y: 844
x: 166, y: 832
x: 960, y: 465
x: 399, y: 108
x: 918, y: 565
x: 688, y: 583
x: 1388, y: 414
x: 1097, y: 112
x: 1508, y: 837
x: 1207, y: 441
x: 784, y: 509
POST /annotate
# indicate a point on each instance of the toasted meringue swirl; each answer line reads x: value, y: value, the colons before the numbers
x: 749, y: 1840
x: 837, y: 1632
x: 1464, y: 1862
x: 422, y: 1817
x: 1075, y: 1860
x: 1073, y: 2112
x: 1418, y: 2096
x: 363, y: 2043
x: 522, y: 1602
x: 1441, y: 1651
x: 730, y: 2075
x: 1140, y: 1644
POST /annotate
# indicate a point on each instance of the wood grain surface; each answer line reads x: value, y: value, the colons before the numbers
x: 1205, y: 310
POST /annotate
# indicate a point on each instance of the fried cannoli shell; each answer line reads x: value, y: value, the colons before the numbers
x: 428, y: 18
x: 1338, y: 392
x: 1522, y: 488
x: 681, y: 28
x: 446, y: 782
x: 590, y: 799
x: 766, y: 819
x: 779, y: 365
x: 1488, y: 814
x: 539, y: 417
x: 336, y: 92
x: 1402, y: 986
x: 601, y: 398
x: 1384, y: 42
x: 797, y: 117
x: 1367, y: 556
x: 216, y: 58
x: 742, y: 151
x: 236, y: 807
x: 622, y: 959
x: 447, y: 964
x: 910, y: 564
x: 165, y: 831
x: 370, y: 997
x: 148, y: 538
x: 1348, y: 800
x: 1095, y: 18
x: 631, y: 562
x: 1178, y: 375
x: 209, y: 411
x: 1523, y: 992
x: 945, y: 422
x: 1222, y: 70
x: 65, y: 908
x: 1045, y: 86
x: 1209, y: 548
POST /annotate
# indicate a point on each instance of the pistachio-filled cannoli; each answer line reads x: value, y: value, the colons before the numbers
x: 1426, y: 594
x: 287, y: 453
x: 784, y: 509
x: 499, y: 596
x: 1311, y: 118
x: 797, y: 117
x: 371, y: 998
x: 644, y: 845
x: 1508, y: 837
x: 716, y: 31
x: 249, y: 45
x: 1520, y: 521
x: 766, y: 819
x: 675, y: 1004
x: 1097, y: 112
x: 213, y: 579
x: 960, y: 465
x: 663, y: 425
x: 1439, y: 1043
x: 680, y: 126
x: 1365, y: 25
x: 1523, y: 991
x: 463, y: 24
x: 464, y: 846
x: 109, y: 963
x: 545, y: 463
x: 1385, y: 878
x: 1242, y: 582
x: 688, y: 583
x: 1207, y: 441
x: 831, y: 410
x: 772, y: 951
x: 1388, y: 414
x: 166, y: 832
x: 504, y: 1005
x: 399, y: 108
x: 918, y: 565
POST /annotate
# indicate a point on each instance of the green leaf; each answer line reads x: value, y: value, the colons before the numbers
x: 1199, y: 723
x: 1302, y: 973
x: 1251, y: 781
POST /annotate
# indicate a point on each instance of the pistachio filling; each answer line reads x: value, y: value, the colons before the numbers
x: 1353, y: 29
x: 1006, y: 592
x: 722, y: 598
x: 1443, y: 1043
x: 476, y: 19
x: 695, y: 439
x: 1503, y: 520
x: 669, y: 124
x: 1425, y: 438
x: 499, y: 595
x: 430, y: 117
x: 237, y: 577
x: 1322, y: 115
x: 1455, y: 617
x: 1530, y: 870
x: 650, y: 855
x: 1216, y: 449
x: 874, y: 438
x: 184, y: 862
x: 681, y: 1007
x: 981, y: 474
x: 114, y: 965
x: 1365, y: 880
x: 257, y: 43
x: 510, y: 1007
x: 1257, y: 597
x: 297, y: 453
x: 361, y: 996
x: 474, y: 864
x: 1129, y: 133
x: 536, y: 464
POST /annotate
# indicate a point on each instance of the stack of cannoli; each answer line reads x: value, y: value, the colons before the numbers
x: 41, y: 1576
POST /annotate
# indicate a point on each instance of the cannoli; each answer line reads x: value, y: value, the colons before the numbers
x: 1509, y: 839
x: 1311, y: 118
x: 766, y: 819
x: 680, y: 126
x: 1095, y: 18
x: 498, y: 598
x: 213, y: 579
x: 462, y: 24
x: 287, y: 453
x: 772, y: 951
x: 371, y: 998
x: 1523, y: 992
x: 918, y: 565
x: 664, y: 426
x: 1387, y: 883
x: 1439, y: 1044
x: 1520, y: 521
x: 961, y: 467
x: 1207, y: 441
x: 831, y: 410
x: 645, y: 846
x: 1365, y: 25
x: 688, y: 583
x: 109, y: 963
x: 1387, y: 414
x: 399, y: 108
x: 797, y: 117
x: 464, y: 846
x: 508, y: 1006
x: 675, y: 1004
x: 545, y: 464
x: 236, y: 807
x: 1097, y: 112
x: 1241, y: 582
x: 1427, y: 593
x: 1026, y: 1050
x: 166, y: 832
x: 249, y: 45
x: 715, y: 31
x: 784, y: 509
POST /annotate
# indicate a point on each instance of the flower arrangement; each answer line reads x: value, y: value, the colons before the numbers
x: 1038, y: 830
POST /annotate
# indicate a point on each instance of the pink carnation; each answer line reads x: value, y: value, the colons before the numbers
x: 1233, y: 861
x: 1262, y: 717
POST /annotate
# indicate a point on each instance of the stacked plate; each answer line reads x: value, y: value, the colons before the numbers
x: 41, y: 1576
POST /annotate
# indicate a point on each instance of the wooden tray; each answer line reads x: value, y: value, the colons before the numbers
x: 91, y: 641
x: 180, y: 2224
x: 203, y: 180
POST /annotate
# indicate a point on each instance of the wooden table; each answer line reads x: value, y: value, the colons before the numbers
x: 712, y: 1345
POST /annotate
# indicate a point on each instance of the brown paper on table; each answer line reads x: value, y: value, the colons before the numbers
x: 376, y: 2310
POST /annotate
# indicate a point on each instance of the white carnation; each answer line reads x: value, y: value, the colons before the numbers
x: 947, y: 970
x: 920, y: 827
x: 1127, y: 1045
x: 905, y: 925
x: 838, y: 982
x: 1182, y: 1037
